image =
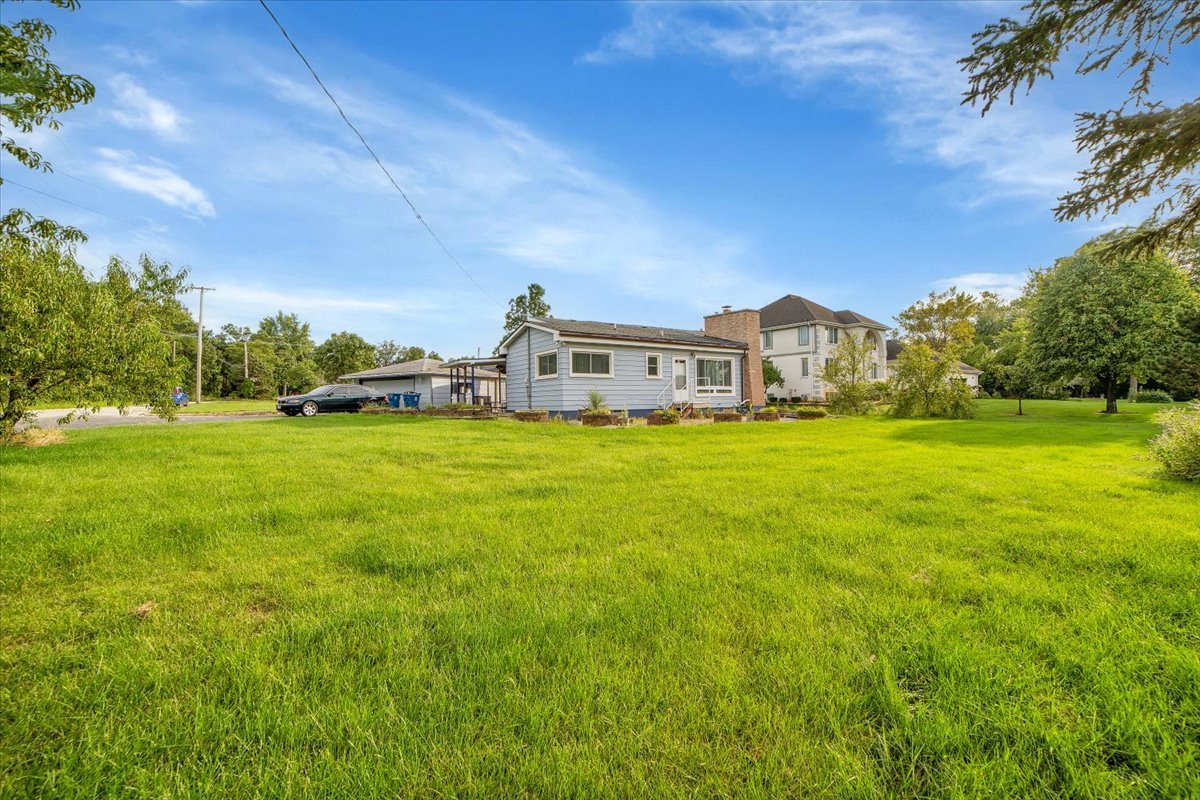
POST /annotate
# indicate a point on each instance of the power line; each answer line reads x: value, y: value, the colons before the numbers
x: 70, y: 202
x: 362, y: 139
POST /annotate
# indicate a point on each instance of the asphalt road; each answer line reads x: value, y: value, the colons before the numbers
x: 109, y: 416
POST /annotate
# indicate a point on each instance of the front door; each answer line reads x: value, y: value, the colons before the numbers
x: 679, y: 376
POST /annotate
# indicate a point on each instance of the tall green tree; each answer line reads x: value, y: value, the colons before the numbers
x: 33, y: 92
x: 77, y: 341
x: 388, y: 352
x: 1143, y: 148
x: 343, y: 353
x: 1094, y: 315
x: 289, y: 342
x: 945, y: 321
x: 530, y: 304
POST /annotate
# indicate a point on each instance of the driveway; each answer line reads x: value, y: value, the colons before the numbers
x: 109, y: 416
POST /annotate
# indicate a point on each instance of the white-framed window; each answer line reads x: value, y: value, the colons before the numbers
x: 804, y: 368
x: 653, y: 366
x: 768, y: 340
x: 714, y: 376
x: 547, y: 364
x: 831, y: 335
x: 874, y: 372
x: 802, y: 336
x: 591, y: 363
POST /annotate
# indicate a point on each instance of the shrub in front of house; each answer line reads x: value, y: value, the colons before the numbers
x: 1177, y: 448
x: 667, y: 416
x: 1151, y: 396
x: 597, y: 413
x: 809, y: 412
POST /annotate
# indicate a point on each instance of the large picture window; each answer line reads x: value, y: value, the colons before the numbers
x: 547, y: 364
x: 591, y: 362
x: 714, y: 375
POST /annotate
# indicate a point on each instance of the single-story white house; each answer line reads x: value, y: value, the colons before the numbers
x: 554, y: 363
x: 432, y: 379
x: 970, y: 375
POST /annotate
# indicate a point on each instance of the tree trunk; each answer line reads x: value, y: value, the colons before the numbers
x: 1020, y: 410
x: 1110, y: 395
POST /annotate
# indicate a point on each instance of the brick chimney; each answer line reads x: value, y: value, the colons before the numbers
x: 742, y: 326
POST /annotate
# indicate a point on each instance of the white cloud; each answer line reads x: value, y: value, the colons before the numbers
x: 1006, y: 284
x: 491, y: 186
x: 157, y: 179
x: 139, y: 110
x: 895, y: 62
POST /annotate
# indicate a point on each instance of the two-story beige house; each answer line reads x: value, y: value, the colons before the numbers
x: 799, y: 336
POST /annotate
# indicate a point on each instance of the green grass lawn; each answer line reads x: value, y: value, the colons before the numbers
x: 356, y: 606
x: 225, y: 406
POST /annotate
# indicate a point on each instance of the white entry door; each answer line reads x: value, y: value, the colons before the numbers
x: 679, y: 376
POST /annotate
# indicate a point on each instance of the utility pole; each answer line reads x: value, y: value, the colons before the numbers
x: 200, y: 336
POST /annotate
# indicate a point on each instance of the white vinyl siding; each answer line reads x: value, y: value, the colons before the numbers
x: 591, y: 363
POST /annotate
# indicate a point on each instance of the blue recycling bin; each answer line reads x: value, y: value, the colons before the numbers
x: 412, y: 400
x: 393, y: 400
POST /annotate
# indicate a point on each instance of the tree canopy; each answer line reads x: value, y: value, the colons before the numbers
x: 1143, y: 149
x: 34, y: 91
x: 520, y: 308
x: 343, y: 353
x: 944, y: 321
x: 1091, y: 315
x: 79, y: 341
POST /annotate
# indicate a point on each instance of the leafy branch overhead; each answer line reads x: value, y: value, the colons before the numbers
x: 1144, y: 149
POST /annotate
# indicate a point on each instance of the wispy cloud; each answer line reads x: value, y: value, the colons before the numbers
x: 876, y: 55
x: 156, y: 179
x: 1006, y: 284
x: 138, y: 109
x: 493, y: 186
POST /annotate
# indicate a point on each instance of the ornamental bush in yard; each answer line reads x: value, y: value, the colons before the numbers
x: 1177, y: 448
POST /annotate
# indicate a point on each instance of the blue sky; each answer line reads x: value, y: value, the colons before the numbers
x: 644, y: 163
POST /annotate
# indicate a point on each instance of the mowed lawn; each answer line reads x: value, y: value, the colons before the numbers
x: 356, y: 606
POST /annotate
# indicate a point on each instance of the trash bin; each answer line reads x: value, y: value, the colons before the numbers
x: 412, y: 400
x: 394, y: 400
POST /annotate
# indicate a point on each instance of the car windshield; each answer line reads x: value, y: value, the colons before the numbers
x: 323, y: 389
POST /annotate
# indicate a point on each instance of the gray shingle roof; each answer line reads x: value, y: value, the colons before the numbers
x: 405, y: 369
x: 636, y: 333
x: 793, y: 309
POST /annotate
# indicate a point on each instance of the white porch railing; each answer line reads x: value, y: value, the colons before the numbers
x: 688, y: 385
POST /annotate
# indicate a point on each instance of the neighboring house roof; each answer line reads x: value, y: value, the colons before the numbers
x: 895, y: 347
x: 793, y: 309
x: 630, y: 333
x: 408, y: 369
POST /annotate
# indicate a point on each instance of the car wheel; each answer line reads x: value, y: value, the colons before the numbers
x: 309, y: 409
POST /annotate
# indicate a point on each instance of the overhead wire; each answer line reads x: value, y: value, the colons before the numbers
x: 371, y: 150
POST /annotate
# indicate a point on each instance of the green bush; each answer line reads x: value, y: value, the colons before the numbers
x: 1151, y: 396
x: 670, y: 414
x: 246, y: 389
x: 809, y: 412
x: 596, y: 403
x: 1177, y: 448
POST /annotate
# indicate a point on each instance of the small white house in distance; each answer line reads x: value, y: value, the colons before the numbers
x: 970, y: 375
x: 429, y: 377
x: 799, y: 336
x: 554, y: 364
